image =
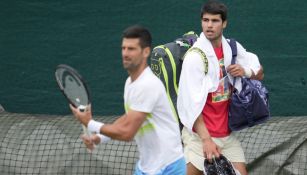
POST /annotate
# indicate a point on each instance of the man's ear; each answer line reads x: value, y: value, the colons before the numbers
x: 146, y: 52
x: 224, y: 24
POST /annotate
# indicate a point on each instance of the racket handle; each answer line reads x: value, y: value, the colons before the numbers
x: 85, y: 131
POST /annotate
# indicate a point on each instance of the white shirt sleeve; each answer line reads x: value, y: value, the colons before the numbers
x: 144, y: 98
x: 248, y: 60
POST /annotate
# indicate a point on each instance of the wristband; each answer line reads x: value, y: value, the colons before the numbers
x: 103, y: 138
x: 94, y: 126
x: 248, y: 72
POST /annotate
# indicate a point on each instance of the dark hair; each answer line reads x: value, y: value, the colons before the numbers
x: 137, y: 31
x: 214, y: 7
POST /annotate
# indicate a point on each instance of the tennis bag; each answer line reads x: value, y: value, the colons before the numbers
x: 250, y: 106
x: 166, y: 61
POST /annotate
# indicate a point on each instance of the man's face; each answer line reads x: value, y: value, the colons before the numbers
x: 132, y: 53
x: 213, y: 26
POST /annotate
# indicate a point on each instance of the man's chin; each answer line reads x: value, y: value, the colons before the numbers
x: 210, y: 37
x: 127, y: 66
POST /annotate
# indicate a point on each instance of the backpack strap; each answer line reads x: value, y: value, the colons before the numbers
x: 233, y: 45
x: 202, y: 55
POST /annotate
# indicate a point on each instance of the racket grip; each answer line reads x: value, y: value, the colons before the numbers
x: 85, y: 131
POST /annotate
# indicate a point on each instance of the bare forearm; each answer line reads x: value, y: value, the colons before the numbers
x: 259, y: 75
x: 125, y: 127
x: 119, y: 130
x: 210, y: 149
x: 201, y: 129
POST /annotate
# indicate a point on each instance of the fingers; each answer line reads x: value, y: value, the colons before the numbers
x: 95, y: 139
x: 209, y: 157
x: 86, y: 139
x: 212, y: 155
x: 211, y: 151
x: 219, y: 150
x: 216, y: 155
x: 88, y: 142
x: 74, y: 111
x: 83, y: 113
x: 72, y: 108
x: 235, y: 70
x: 89, y: 108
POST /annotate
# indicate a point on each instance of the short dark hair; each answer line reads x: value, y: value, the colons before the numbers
x: 137, y: 31
x: 214, y: 7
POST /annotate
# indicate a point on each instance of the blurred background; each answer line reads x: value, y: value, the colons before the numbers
x: 36, y: 36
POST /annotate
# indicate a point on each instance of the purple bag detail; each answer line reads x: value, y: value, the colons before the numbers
x: 250, y: 106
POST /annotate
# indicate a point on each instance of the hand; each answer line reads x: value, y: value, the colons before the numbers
x: 83, y: 116
x: 90, y: 141
x: 211, y: 149
x: 236, y: 70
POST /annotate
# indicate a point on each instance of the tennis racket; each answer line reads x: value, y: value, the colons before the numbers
x: 73, y: 87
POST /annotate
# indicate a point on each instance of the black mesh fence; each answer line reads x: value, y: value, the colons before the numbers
x: 52, y: 145
x: 41, y: 144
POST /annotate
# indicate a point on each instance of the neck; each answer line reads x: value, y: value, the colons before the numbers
x: 216, y: 43
x: 134, y: 74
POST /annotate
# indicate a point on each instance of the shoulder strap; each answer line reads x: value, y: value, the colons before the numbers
x: 203, y: 56
x: 233, y: 45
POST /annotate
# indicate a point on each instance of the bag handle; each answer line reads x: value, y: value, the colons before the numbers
x: 233, y: 45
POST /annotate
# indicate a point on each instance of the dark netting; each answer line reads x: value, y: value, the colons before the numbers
x: 1, y: 108
x: 277, y: 147
x: 52, y: 145
x: 40, y: 144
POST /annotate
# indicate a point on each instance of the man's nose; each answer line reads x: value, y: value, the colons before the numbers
x: 124, y: 51
x: 210, y: 23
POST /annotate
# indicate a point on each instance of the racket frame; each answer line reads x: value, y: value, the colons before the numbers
x: 76, y: 74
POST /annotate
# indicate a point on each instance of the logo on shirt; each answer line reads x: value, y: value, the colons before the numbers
x: 223, y: 91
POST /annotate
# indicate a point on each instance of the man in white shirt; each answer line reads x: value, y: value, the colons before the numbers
x: 148, y: 118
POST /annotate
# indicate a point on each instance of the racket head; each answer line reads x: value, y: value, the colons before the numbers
x: 73, y: 86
